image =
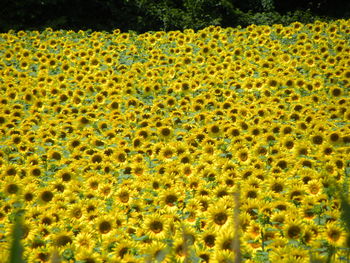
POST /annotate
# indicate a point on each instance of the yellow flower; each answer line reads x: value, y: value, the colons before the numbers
x: 86, y: 255
x: 243, y: 155
x: 297, y: 190
x: 297, y: 255
x: 204, y: 254
x: 12, y: 185
x: 334, y: 234
x: 123, y: 195
x: 165, y: 132
x: 309, y: 235
x: 124, y: 248
x: 46, y: 195
x: 170, y: 197
x: 314, y: 187
x: 250, y: 192
x: 219, y: 216
x: 104, y: 224
x: 208, y: 236
x: 293, y: 228
x: 63, y: 239
x: 215, y: 130
x: 335, y: 91
x: 226, y: 239
x: 75, y: 211
x: 84, y: 240
x: 156, y: 226
x: 167, y: 152
x: 10, y: 170
x: 224, y: 256
x: 119, y: 156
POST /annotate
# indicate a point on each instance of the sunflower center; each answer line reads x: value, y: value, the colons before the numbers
x: 243, y: 156
x: 165, y: 131
x: 156, y: 227
x: 170, y: 199
x: 63, y: 240
x: 209, y: 240
x: 293, y: 231
x: 12, y: 189
x: 77, y: 213
x: 220, y: 218
x: 317, y: 139
x: 105, y: 227
x: 228, y: 244
x: 47, y: 196
x: 334, y: 235
x: 124, y: 197
x: 277, y: 188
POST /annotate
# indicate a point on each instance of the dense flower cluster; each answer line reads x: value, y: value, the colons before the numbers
x: 124, y: 148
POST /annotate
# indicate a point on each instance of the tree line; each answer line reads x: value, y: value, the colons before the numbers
x: 155, y: 15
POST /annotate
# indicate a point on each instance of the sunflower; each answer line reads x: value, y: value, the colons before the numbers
x: 156, y: 226
x: 250, y: 192
x: 280, y: 253
x: 165, y: 132
x: 205, y: 50
x: 170, y: 197
x: 214, y: 130
x: 309, y: 235
x: 277, y: 185
x: 254, y: 230
x: 139, y: 169
x: 63, y: 238
x: 29, y: 193
x: 55, y: 154
x: 46, y: 195
x: 75, y: 212
x: 314, y: 187
x: 334, y: 234
x: 119, y: 156
x: 10, y: 170
x: 123, y: 195
x: 297, y: 254
x: 85, y: 255
x: 226, y: 239
x: 334, y: 137
x: 221, y: 191
x: 243, y: 155
x: 12, y: 186
x: 124, y: 248
x: 288, y: 142
x: 167, y: 152
x: 293, y: 229
x: 156, y: 251
x: 46, y: 218
x: 84, y: 240
x: 317, y: 139
x: 224, y: 256
x: 181, y: 250
x: 40, y: 254
x: 219, y: 216
x: 185, y: 158
x: 208, y: 237
x: 205, y: 255
x: 301, y: 149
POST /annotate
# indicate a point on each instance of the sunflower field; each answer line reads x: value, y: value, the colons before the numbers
x: 221, y: 145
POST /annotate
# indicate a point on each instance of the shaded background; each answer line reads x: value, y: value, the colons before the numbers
x: 147, y: 15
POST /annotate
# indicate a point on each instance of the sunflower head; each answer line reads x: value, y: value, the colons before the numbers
x: 156, y: 226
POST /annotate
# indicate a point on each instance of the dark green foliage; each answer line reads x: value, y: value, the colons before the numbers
x: 149, y: 15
